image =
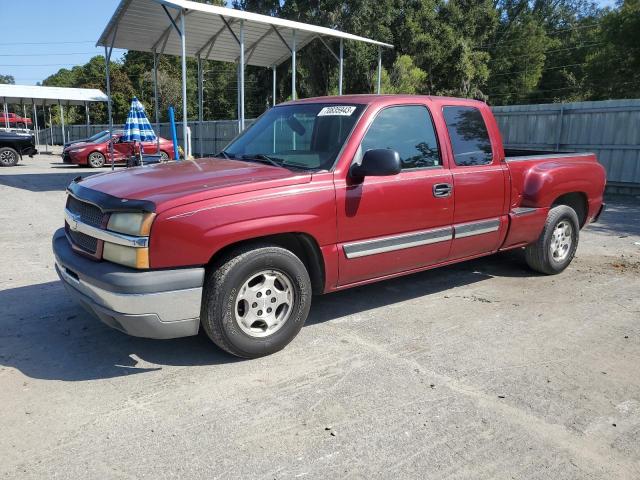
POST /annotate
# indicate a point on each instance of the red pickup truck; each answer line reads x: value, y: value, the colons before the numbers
x: 318, y: 195
x: 14, y: 120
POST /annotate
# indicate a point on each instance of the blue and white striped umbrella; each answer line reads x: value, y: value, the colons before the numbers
x: 138, y: 128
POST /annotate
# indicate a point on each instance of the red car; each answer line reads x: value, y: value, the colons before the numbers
x: 14, y: 121
x: 96, y: 154
x: 319, y: 195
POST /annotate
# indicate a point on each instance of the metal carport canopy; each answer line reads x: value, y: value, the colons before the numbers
x: 142, y: 26
x: 43, y: 96
x: 50, y: 95
x: 209, y: 32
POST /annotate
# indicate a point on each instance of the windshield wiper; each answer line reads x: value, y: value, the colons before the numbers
x: 261, y: 157
x: 224, y: 154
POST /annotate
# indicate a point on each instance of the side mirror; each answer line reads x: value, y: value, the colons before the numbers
x: 377, y: 163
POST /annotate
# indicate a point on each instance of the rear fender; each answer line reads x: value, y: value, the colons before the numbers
x: 547, y: 181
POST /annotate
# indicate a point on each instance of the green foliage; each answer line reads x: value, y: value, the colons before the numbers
x: 614, y: 70
x: 7, y: 79
x: 404, y: 77
x: 501, y: 51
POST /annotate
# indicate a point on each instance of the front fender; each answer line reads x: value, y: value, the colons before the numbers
x: 192, y: 234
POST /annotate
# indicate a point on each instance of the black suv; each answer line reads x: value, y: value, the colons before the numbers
x: 13, y: 145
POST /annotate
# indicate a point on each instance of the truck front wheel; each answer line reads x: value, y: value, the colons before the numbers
x: 557, y: 244
x: 256, y: 300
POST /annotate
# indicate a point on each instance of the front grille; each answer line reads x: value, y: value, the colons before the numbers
x: 89, y: 213
x: 90, y: 244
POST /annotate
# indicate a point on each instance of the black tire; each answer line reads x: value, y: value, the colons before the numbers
x: 8, y: 157
x: 96, y: 160
x: 539, y: 255
x: 164, y: 156
x: 223, y: 284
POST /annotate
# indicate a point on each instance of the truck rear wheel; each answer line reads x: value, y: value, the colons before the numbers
x: 557, y: 244
x: 8, y: 157
x: 256, y: 300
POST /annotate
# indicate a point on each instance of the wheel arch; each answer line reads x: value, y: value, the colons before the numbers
x: 577, y: 201
x: 302, y: 245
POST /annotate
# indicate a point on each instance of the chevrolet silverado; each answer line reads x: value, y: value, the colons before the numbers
x: 318, y: 195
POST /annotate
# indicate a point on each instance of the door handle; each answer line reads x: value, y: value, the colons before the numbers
x: 442, y: 190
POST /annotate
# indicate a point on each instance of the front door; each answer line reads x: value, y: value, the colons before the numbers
x: 402, y: 222
x: 122, y: 150
x: 479, y: 183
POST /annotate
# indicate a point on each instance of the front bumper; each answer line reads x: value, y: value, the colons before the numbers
x: 152, y: 304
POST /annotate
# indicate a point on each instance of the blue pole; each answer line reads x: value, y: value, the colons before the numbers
x: 174, y: 134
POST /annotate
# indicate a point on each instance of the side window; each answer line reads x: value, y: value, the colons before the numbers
x: 407, y: 130
x: 469, y: 136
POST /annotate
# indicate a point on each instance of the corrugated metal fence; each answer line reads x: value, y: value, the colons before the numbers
x: 610, y: 128
x: 215, y: 134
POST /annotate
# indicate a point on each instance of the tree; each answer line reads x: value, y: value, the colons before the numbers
x: 7, y: 79
x: 502, y: 51
x: 518, y: 60
x: 404, y: 77
x: 613, y: 70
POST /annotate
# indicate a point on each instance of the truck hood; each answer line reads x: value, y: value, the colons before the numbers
x: 177, y: 183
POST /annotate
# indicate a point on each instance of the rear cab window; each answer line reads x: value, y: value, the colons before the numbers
x: 469, y: 136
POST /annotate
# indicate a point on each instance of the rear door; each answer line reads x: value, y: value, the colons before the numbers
x: 396, y: 223
x: 479, y: 182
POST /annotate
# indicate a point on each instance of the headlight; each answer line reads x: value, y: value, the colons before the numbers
x: 128, y: 256
x: 138, y: 224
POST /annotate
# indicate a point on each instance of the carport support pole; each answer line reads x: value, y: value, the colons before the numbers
x: 293, y: 65
x: 62, y: 121
x: 200, y: 106
x: 340, y: 66
x: 379, y: 69
x: 5, y: 109
x: 35, y: 122
x: 107, y: 56
x: 50, y: 130
x: 86, y: 113
x: 156, y: 112
x: 241, y: 66
x: 183, y: 41
x: 273, y: 68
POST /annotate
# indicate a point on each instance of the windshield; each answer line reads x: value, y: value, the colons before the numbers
x: 98, y: 135
x: 307, y: 136
x: 102, y: 139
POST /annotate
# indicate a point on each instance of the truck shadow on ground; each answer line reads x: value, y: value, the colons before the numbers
x: 621, y: 217
x: 45, y: 335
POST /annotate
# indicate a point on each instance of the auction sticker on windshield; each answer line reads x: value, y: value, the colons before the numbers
x: 342, y: 110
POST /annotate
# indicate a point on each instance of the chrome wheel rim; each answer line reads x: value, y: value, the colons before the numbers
x: 164, y: 157
x: 561, y: 241
x: 7, y: 157
x: 264, y: 303
x: 96, y: 160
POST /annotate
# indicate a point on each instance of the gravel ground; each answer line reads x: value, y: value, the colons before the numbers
x: 482, y: 370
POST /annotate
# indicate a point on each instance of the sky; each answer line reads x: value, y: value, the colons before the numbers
x: 41, y: 36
